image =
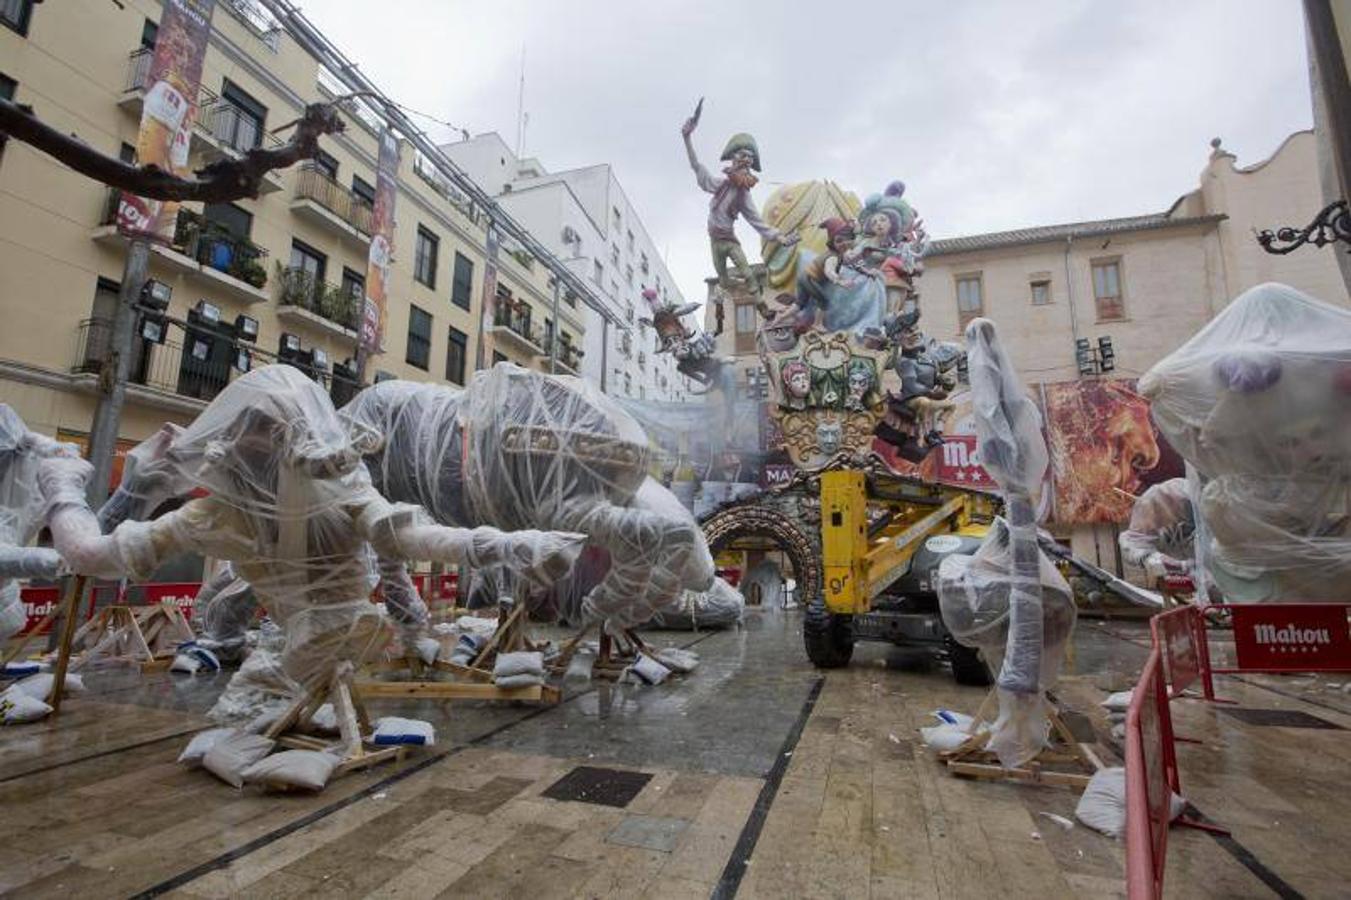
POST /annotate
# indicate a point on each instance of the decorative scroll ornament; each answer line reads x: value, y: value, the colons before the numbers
x: 1332, y: 224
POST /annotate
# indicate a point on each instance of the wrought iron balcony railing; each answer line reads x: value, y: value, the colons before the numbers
x: 313, y: 184
x: 299, y: 288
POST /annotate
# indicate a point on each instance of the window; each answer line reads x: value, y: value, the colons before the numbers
x: 628, y: 274
x: 308, y: 260
x: 424, y: 257
x: 970, y: 298
x: 239, y: 120
x: 149, y: 34
x: 614, y: 254
x: 353, y: 284
x: 16, y: 14
x: 630, y: 241
x: 548, y: 332
x: 462, y: 284
x: 625, y: 343
x: 642, y: 264
x: 233, y: 220
x: 1107, y: 294
x: 628, y: 312
x: 628, y: 384
x: 618, y: 218
x: 599, y: 274
x: 7, y: 88
x: 326, y: 164
x: 419, y: 338
x: 456, y: 354
x: 363, y: 189
x: 745, y: 318
x: 1041, y: 291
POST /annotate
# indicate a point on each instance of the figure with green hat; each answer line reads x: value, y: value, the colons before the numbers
x: 731, y: 198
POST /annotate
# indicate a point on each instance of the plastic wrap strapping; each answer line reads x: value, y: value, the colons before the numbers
x: 1159, y: 538
x: 1259, y: 403
x: 521, y: 449
x: 721, y: 606
x: 21, y: 509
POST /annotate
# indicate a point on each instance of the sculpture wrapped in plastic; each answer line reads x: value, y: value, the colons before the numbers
x: 521, y: 449
x: 1009, y: 575
x: 1259, y: 403
x: 21, y: 453
x: 291, y: 506
x: 721, y: 606
x: 1159, y: 538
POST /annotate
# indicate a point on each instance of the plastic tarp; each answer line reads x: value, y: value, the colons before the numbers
x: 21, y: 508
x: 291, y: 506
x: 1259, y: 404
x: 1006, y: 576
x: 720, y: 606
x: 1159, y: 537
x: 519, y: 449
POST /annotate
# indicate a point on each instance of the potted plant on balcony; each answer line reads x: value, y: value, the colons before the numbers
x: 250, y: 271
x: 297, y: 287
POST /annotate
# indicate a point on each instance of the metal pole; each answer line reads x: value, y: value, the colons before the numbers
x: 604, y: 352
x: 553, y: 338
x: 116, y: 368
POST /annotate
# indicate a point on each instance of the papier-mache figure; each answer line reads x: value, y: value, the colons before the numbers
x: 21, y: 453
x: 692, y: 349
x: 1161, y: 535
x: 731, y: 199
x: 290, y: 504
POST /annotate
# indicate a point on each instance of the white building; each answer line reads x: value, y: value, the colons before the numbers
x: 584, y: 216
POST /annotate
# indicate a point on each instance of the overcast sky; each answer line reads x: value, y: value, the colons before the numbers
x: 996, y: 115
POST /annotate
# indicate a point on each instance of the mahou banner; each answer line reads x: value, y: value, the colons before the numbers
x: 382, y: 242
x: 172, y: 86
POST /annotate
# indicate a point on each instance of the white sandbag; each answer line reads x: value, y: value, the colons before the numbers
x: 507, y: 682
x: 1102, y: 806
x: 231, y: 754
x: 202, y: 742
x: 325, y: 719
x: 394, y: 730
x: 17, y: 707
x: 293, y: 769
x: 1118, y: 702
x: 21, y: 669
x: 428, y: 649
x: 952, y: 717
x: 580, y: 667
x: 39, y: 686
x: 944, y: 737
x: 193, y: 658
x: 678, y: 660
x: 648, y: 669
x: 522, y: 663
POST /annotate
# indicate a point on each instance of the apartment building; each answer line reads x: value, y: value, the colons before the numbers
x: 585, y: 218
x: 277, y: 277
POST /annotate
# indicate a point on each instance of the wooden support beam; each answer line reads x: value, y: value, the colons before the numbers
x: 448, y: 690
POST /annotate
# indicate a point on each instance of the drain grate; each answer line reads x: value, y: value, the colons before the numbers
x: 1278, y: 718
x: 604, y: 787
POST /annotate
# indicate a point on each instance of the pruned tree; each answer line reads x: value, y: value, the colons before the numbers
x: 219, y: 182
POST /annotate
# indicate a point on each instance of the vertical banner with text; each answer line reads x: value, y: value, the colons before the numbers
x: 172, y: 87
x: 483, y: 357
x: 374, y: 313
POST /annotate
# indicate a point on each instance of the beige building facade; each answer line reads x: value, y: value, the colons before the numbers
x: 294, y: 259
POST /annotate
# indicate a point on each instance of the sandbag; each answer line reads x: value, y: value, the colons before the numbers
x: 17, y: 707
x: 522, y: 663
x: 292, y: 769
x: 202, y: 742
x: 39, y: 686
x: 394, y: 730
x: 1102, y: 806
x: 231, y: 754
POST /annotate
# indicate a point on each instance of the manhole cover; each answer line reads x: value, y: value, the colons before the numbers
x: 1278, y: 718
x: 604, y: 787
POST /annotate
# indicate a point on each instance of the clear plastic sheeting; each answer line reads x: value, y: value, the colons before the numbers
x: 975, y: 599
x: 21, y: 453
x: 520, y: 449
x: 721, y: 606
x: 149, y: 479
x: 291, y: 506
x: 1159, y: 538
x: 1259, y: 403
x: 1013, y: 568
x: 224, y: 607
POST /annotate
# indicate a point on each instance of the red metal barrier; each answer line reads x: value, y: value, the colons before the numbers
x: 1175, y: 633
x: 1151, y: 776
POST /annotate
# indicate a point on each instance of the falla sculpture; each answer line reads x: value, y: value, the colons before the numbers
x: 840, y: 339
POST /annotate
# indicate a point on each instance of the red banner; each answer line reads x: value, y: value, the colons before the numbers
x: 1303, y: 637
x: 172, y: 87
x: 374, y: 311
x: 181, y: 594
x: 959, y: 464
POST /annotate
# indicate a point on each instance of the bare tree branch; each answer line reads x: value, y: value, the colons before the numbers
x: 219, y: 182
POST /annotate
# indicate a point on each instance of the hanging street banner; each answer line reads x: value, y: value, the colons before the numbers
x: 172, y: 87
x: 374, y: 313
x: 483, y: 357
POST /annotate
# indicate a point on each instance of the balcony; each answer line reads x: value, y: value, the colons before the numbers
x: 132, y: 98
x: 569, y: 357
x: 513, y: 327
x: 232, y: 132
x: 321, y: 200
x: 302, y: 298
